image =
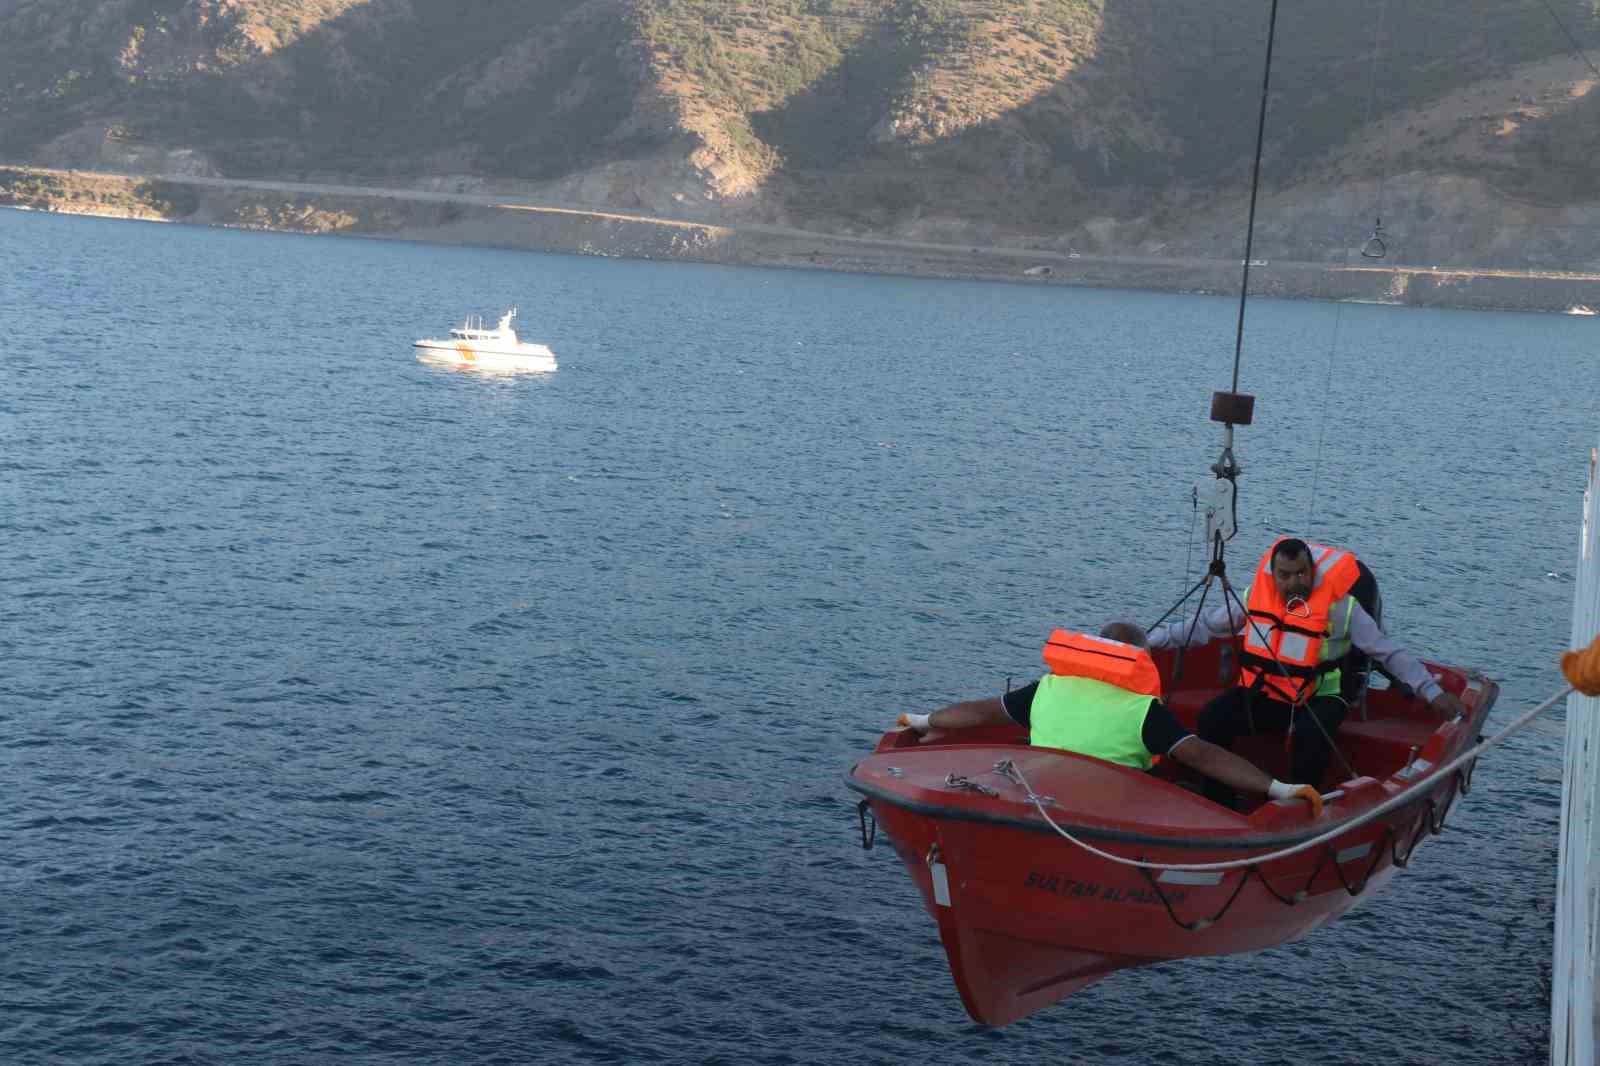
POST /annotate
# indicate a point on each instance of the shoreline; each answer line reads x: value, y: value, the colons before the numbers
x: 502, y: 222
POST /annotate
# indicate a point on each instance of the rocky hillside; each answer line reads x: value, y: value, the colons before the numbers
x: 1106, y: 124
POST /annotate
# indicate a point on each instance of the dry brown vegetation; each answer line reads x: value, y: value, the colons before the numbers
x: 94, y: 194
x: 908, y: 115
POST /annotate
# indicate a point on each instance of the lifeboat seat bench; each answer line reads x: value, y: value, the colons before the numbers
x: 1374, y: 746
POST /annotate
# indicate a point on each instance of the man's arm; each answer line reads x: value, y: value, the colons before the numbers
x: 963, y: 715
x: 1237, y: 773
x: 1163, y: 734
x: 1222, y: 765
x: 1218, y: 620
x: 1407, y: 668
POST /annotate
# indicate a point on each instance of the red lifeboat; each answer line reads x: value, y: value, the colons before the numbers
x: 1028, y: 917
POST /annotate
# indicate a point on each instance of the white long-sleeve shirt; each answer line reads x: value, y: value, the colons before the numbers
x: 1226, y: 619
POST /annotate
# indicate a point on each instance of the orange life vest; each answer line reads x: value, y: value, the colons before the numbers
x: 1283, y: 643
x: 1099, y: 659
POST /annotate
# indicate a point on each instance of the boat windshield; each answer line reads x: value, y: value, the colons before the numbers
x: 472, y: 330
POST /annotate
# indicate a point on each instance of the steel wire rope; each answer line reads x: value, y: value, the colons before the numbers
x: 1327, y: 389
x: 1009, y: 769
x: 1577, y: 48
x: 1383, y: 151
x: 1188, y: 553
x: 1377, y: 230
x: 1225, y: 467
x: 1255, y: 187
x: 1238, y: 352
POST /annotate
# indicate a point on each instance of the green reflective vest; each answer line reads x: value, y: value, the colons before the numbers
x: 1091, y: 718
x: 1335, y: 644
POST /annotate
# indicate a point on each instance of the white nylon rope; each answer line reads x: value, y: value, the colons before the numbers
x: 1343, y: 828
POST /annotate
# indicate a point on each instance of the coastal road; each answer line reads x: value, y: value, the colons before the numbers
x: 1039, y: 255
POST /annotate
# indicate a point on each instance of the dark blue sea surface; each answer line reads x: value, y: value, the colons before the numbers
x: 353, y: 710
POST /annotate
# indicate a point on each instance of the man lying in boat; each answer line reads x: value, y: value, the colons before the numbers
x: 1303, y: 616
x: 1103, y: 698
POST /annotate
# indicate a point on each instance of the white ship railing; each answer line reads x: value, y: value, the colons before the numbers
x: 1572, y: 977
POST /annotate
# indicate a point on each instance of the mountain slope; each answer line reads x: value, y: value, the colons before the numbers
x: 1035, y: 118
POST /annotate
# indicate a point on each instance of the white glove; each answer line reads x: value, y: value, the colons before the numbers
x: 919, y: 722
x: 1279, y: 791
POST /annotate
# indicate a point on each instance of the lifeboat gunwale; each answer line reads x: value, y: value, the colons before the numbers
x: 963, y: 808
x: 1240, y: 841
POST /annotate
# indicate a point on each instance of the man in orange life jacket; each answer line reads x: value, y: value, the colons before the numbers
x: 1301, y: 617
x: 1103, y: 698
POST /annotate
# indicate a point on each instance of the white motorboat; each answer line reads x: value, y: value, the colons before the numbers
x: 1581, y: 309
x: 471, y: 344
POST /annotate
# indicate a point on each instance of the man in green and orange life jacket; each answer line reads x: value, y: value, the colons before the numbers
x: 1103, y: 698
x: 1302, y: 615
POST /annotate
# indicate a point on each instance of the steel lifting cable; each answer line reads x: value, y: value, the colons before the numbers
x: 1226, y: 467
x: 1255, y: 186
x: 1232, y: 408
x: 1010, y: 770
x: 1577, y: 48
x: 1188, y: 554
x: 1375, y: 248
x: 1327, y: 391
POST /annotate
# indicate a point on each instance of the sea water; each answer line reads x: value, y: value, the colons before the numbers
x: 362, y: 711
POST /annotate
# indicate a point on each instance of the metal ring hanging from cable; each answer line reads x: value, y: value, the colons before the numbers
x: 1375, y: 248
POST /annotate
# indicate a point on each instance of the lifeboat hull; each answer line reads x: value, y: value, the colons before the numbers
x: 1027, y: 917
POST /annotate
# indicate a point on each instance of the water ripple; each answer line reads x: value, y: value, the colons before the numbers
x: 355, y: 712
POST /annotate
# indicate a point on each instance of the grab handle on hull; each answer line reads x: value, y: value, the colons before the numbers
x: 869, y: 824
